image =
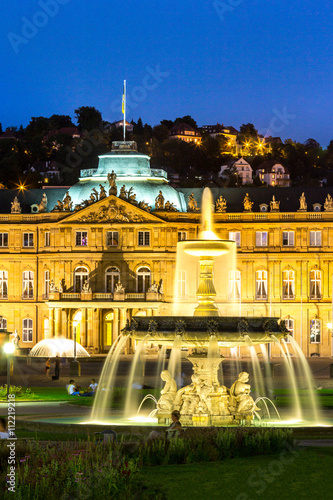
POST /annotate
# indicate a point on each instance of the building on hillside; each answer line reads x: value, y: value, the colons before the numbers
x: 49, y: 170
x: 95, y: 255
x: 242, y: 169
x: 230, y: 133
x: 273, y: 174
x: 72, y: 132
x: 120, y: 124
x: 10, y: 134
x: 185, y: 132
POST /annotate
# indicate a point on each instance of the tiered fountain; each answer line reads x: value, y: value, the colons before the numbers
x: 205, y: 401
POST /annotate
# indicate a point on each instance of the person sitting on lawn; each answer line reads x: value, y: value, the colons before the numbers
x: 3, y: 429
x: 72, y: 389
x: 91, y: 389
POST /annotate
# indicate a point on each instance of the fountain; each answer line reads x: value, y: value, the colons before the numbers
x: 205, y: 401
x: 58, y: 346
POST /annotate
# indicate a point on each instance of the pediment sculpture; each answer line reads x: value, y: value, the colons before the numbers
x: 113, y: 212
x: 328, y: 205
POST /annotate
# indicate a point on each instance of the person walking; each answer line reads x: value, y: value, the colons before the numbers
x: 56, y: 369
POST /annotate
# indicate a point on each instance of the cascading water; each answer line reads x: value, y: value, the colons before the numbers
x: 136, y: 374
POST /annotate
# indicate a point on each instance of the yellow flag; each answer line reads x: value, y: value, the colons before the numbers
x: 123, y: 102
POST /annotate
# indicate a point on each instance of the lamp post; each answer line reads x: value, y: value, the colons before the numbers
x: 9, y: 348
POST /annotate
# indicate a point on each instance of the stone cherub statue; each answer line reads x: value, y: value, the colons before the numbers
x: 192, y: 205
x: 123, y: 192
x: 302, y: 202
x: 161, y: 287
x: 153, y: 288
x: 53, y: 288
x: 168, y: 393
x: 275, y: 205
x: 112, y: 183
x: 159, y: 201
x: 170, y: 207
x: 119, y: 288
x: 15, y: 206
x: 328, y: 205
x: 221, y: 204
x: 61, y: 288
x: 248, y: 204
x: 59, y: 207
x: 240, y: 395
x: 86, y: 287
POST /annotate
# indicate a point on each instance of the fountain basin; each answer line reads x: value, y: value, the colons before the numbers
x: 206, y: 248
x: 196, y: 331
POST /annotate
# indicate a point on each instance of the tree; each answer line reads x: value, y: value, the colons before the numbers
x: 186, y: 119
x: 88, y: 118
x: 0, y: 128
x: 138, y: 127
x: 161, y: 132
x: 248, y: 130
x: 167, y: 123
x: 60, y: 121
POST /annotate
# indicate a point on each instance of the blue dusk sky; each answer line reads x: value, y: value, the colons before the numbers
x: 231, y: 62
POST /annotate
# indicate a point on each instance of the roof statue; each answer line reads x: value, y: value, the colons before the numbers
x: 275, y: 205
x: 302, y: 202
x: 248, y: 204
x: 102, y: 192
x: 328, y: 205
x: 192, y: 205
x: 170, y: 207
x: 119, y: 287
x: 159, y: 201
x: 112, y: 183
x: 221, y: 204
x: 122, y: 193
x: 67, y: 203
x: 15, y: 206
x: 42, y: 206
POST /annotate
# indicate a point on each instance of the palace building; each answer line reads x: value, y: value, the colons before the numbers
x: 89, y: 258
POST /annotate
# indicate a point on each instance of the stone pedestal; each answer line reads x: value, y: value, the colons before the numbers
x: 118, y: 296
x: 152, y: 296
x: 54, y: 296
x: 86, y: 296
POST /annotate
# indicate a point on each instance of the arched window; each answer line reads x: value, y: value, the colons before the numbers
x: 112, y: 276
x: 143, y: 279
x: 27, y: 330
x: 46, y: 283
x: 3, y: 324
x: 81, y: 274
x: 288, y: 284
x: 315, y: 331
x: 28, y: 285
x: 261, y: 284
x: 290, y: 326
x: 315, y: 284
x: 235, y: 285
x: 3, y: 284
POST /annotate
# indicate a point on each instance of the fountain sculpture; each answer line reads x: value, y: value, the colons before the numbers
x: 205, y: 401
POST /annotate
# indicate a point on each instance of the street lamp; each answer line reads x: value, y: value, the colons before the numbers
x: 9, y: 348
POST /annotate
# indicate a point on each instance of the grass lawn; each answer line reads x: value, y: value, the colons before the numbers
x: 307, y: 475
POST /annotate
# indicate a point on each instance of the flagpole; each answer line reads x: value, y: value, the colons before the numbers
x: 124, y: 110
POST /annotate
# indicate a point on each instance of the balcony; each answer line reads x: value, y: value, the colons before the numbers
x: 105, y: 296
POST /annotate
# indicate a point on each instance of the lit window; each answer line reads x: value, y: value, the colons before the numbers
x: 235, y: 285
x: 261, y: 238
x: 288, y: 284
x: 46, y: 283
x: 235, y: 236
x: 290, y: 326
x: 182, y: 235
x: 28, y: 285
x: 315, y: 331
x: 112, y: 238
x: 3, y: 324
x: 27, y: 330
x: 81, y: 239
x: 81, y: 274
x: 47, y: 238
x: 315, y: 284
x: 112, y: 277
x: 261, y: 285
x: 3, y: 239
x: 143, y: 238
x: 315, y: 238
x: 3, y: 284
x: 288, y: 239
x: 28, y: 239
x: 143, y: 279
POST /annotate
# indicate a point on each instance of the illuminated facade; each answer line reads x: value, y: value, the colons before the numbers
x: 94, y: 268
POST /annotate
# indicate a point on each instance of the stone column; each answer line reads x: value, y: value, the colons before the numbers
x: 83, y: 329
x: 96, y: 341
x: 57, y: 322
x: 51, y: 322
x: 90, y: 327
x: 115, y: 324
x: 122, y: 324
x: 64, y: 323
